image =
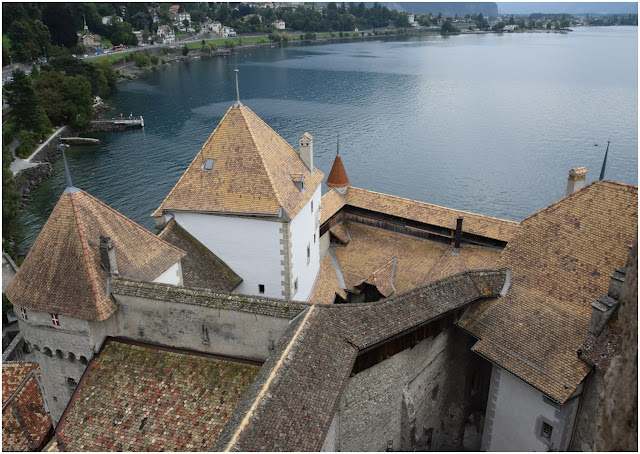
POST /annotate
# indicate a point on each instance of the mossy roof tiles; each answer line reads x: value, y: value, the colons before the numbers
x: 251, y: 172
x: 62, y: 273
x: 139, y: 398
x: 560, y: 260
x: 25, y: 423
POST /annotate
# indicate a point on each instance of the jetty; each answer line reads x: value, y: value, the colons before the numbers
x: 79, y: 141
x: 117, y: 124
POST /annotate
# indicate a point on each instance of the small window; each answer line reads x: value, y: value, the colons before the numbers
x: 209, y: 164
x: 546, y: 431
x: 23, y: 313
x: 312, y: 206
x: 295, y: 285
x: 260, y: 288
x: 55, y: 320
x: 314, y: 238
x: 308, y: 252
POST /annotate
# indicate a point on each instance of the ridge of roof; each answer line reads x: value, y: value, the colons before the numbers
x: 260, y: 153
x: 429, y: 203
x: 573, y: 194
x: 126, y: 219
x: 158, y: 211
x: 93, y: 277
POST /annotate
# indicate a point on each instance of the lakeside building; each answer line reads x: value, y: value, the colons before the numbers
x: 278, y: 25
x: 265, y: 316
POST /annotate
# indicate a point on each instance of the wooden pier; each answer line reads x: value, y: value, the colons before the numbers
x: 119, y: 123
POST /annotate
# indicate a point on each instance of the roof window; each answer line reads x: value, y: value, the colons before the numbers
x: 209, y: 164
x: 298, y: 180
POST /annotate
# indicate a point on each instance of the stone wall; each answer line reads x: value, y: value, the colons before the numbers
x: 29, y: 179
x: 585, y: 429
x: 418, y: 399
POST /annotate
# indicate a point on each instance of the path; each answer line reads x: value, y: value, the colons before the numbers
x: 19, y: 164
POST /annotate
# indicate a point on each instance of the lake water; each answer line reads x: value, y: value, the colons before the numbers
x: 485, y: 123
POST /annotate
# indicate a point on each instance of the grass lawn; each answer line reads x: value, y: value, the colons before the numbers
x: 106, y: 43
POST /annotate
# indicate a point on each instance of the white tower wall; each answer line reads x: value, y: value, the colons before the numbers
x: 303, y: 227
x: 251, y: 247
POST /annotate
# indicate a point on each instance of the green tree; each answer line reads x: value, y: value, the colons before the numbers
x: 206, y: 49
x: 50, y: 95
x: 141, y: 59
x: 402, y: 20
x: 60, y: 22
x: 448, y: 27
x: 185, y: 50
x: 23, y: 102
x: 79, y: 102
x: 10, y: 200
x: 498, y: 27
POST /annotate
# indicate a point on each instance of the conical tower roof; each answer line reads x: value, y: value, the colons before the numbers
x: 244, y: 167
x: 338, y: 176
x: 62, y: 273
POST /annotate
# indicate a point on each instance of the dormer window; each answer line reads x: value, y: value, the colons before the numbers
x: 55, y: 320
x: 298, y: 180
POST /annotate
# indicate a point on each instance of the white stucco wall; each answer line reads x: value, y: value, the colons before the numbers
x: 303, y: 228
x: 172, y: 276
x: 251, y: 247
x: 516, y: 413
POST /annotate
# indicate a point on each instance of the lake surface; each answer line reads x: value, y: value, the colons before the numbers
x: 485, y: 123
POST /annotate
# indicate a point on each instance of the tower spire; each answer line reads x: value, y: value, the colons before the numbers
x: 338, y: 147
x: 604, y: 163
x: 237, y: 103
x: 70, y: 188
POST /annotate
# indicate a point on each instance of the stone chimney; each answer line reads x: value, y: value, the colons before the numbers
x: 306, y: 150
x: 108, y: 255
x: 605, y: 306
x: 577, y: 179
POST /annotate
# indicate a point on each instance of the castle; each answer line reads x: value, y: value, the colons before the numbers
x: 266, y: 316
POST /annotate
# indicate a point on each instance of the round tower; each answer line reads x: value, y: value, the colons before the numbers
x: 338, y: 176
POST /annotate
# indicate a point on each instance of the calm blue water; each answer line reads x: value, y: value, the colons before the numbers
x: 485, y: 123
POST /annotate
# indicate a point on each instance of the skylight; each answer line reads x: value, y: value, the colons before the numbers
x: 209, y: 164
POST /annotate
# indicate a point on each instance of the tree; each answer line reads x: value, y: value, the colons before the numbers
x: 23, y: 102
x: 206, y: 49
x: 79, y: 102
x: 60, y: 22
x: 448, y: 27
x: 565, y: 23
x: 185, y: 50
x: 141, y: 59
x: 498, y: 27
x: 402, y: 20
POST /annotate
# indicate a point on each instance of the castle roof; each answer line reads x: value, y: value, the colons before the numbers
x: 560, y: 260
x: 338, y: 176
x: 25, y: 422
x: 62, y: 273
x: 292, y: 402
x: 250, y: 174
x: 200, y: 267
x: 137, y: 397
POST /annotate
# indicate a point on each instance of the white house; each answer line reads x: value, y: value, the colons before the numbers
x: 278, y: 25
x: 166, y: 34
x: 228, y: 31
x: 257, y: 208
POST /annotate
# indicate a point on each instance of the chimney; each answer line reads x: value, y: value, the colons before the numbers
x: 458, y: 232
x: 108, y: 255
x: 577, y: 179
x: 605, y: 306
x: 306, y: 150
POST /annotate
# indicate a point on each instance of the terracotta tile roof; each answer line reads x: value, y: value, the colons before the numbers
x: 292, y: 402
x: 332, y: 202
x: 382, y: 278
x: 341, y: 233
x: 560, y: 260
x: 327, y: 284
x: 428, y: 213
x: 306, y: 135
x: 251, y: 172
x: 200, y: 267
x: 418, y: 261
x: 141, y: 398
x: 25, y: 423
x: 599, y: 351
x: 338, y: 176
x: 62, y: 272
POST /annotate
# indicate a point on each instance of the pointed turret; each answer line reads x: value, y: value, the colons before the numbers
x: 64, y: 272
x: 338, y: 176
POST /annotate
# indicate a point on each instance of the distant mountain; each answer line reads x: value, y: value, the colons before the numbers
x: 446, y: 8
x: 568, y: 7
